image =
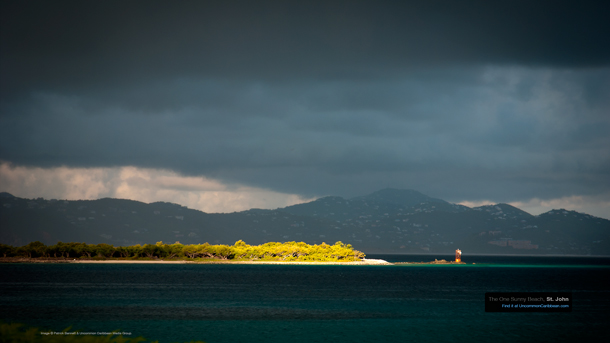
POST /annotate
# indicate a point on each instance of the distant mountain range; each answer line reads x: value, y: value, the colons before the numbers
x: 386, y: 221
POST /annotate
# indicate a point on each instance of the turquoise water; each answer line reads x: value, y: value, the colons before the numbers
x: 276, y: 303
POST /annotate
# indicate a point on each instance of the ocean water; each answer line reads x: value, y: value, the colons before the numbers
x: 279, y: 303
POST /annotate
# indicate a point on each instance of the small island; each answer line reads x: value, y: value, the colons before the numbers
x: 433, y: 262
x: 458, y: 260
x: 239, y: 253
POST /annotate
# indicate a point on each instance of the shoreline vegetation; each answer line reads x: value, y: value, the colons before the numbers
x: 240, y: 252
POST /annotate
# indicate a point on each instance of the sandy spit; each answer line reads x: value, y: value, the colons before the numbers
x: 368, y: 262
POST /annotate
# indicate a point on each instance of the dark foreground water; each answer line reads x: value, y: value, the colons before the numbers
x: 276, y: 303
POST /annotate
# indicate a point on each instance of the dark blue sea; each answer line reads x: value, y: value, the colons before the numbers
x: 305, y: 303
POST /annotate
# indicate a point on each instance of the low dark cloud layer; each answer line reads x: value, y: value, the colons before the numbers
x: 462, y: 100
x: 70, y: 45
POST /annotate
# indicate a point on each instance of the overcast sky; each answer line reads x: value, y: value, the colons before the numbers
x: 226, y: 105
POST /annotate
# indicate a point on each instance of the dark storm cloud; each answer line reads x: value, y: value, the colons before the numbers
x: 458, y: 99
x: 78, y: 44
